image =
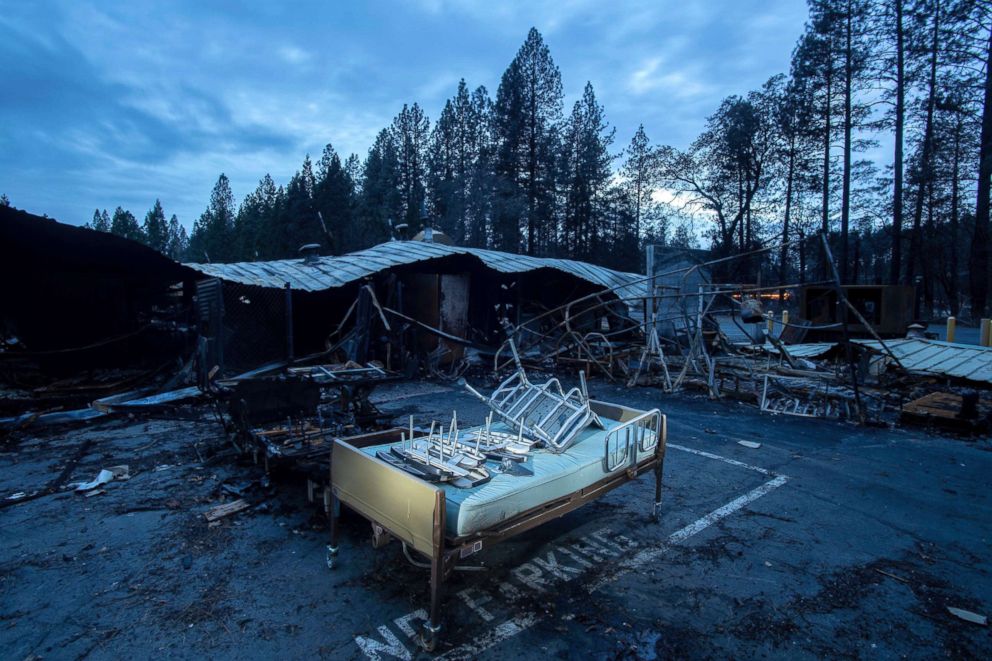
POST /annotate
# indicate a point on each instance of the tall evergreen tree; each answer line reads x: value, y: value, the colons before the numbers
x: 639, y: 173
x: 930, y: 26
x: 156, y: 230
x: 213, y: 232
x: 298, y: 223
x: 980, y: 19
x: 125, y: 224
x: 101, y: 221
x: 526, y: 116
x: 380, y: 200
x: 458, y: 164
x: 892, y: 35
x: 258, y: 231
x: 334, y: 201
x: 410, y: 133
x: 178, y: 242
x: 795, y: 151
x: 585, y: 175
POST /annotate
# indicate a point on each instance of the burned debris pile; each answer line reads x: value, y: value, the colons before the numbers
x: 282, y: 364
x: 262, y: 337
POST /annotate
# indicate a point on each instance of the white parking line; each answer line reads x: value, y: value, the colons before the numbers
x: 524, y: 621
x: 726, y: 460
x: 508, y: 629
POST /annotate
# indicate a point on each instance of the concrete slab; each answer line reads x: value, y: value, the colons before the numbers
x: 828, y: 540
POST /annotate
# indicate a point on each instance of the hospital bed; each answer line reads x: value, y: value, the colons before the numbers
x: 446, y: 524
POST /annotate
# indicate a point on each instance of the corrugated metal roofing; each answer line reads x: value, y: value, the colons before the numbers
x: 808, y: 350
x: 962, y: 361
x: 734, y: 333
x: 331, y: 272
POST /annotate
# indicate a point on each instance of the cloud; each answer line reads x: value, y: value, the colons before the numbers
x: 294, y: 55
x: 109, y: 104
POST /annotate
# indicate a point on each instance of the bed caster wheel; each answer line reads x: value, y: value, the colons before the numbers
x: 332, y: 557
x: 429, y: 636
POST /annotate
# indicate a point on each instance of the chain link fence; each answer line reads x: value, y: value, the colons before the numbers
x: 243, y: 327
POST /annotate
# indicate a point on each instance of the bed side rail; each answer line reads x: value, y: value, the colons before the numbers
x: 637, y: 435
x: 397, y: 501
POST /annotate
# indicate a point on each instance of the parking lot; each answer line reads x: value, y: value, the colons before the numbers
x: 827, y: 540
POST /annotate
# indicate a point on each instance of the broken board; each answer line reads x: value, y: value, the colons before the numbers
x: 227, y: 509
x: 941, y: 410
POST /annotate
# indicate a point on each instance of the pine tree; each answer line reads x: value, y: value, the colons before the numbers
x: 101, y: 221
x: 334, y: 201
x: 410, y: 133
x: 639, y: 174
x: 213, y: 232
x: 155, y: 230
x: 257, y: 229
x: 837, y: 50
x: 980, y: 50
x: 585, y: 175
x: 178, y: 243
x: 930, y: 26
x: 380, y: 201
x: 125, y: 224
x: 814, y: 64
x: 459, y: 166
x: 891, y: 27
x: 299, y: 223
x: 447, y: 203
x: 4, y: 200
x: 795, y: 151
x: 527, y: 113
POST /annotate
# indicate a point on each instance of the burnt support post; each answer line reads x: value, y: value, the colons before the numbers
x: 289, y: 323
x: 843, y: 305
x: 659, y: 466
x: 333, y: 513
x: 432, y: 628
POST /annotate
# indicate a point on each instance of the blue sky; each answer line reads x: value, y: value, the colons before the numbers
x: 108, y: 104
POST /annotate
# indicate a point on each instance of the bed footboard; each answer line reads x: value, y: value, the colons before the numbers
x: 409, y: 509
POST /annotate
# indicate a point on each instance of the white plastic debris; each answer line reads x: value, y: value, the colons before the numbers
x: 749, y: 444
x: 968, y: 616
x: 120, y: 473
x: 102, y: 478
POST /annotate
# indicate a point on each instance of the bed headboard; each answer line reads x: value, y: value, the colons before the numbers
x: 616, y: 412
x: 396, y: 500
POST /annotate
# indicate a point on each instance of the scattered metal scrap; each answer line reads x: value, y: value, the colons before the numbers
x: 935, y: 358
x: 543, y: 412
x: 946, y: 411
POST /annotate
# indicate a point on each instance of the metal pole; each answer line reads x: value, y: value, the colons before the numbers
x: 849, y: 354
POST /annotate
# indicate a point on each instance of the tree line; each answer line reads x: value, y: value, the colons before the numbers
x: 788, y: 162
x: 781, y: 164
x: 512, y: 172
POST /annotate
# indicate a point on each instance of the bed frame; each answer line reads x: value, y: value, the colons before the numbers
x: 403, y: 507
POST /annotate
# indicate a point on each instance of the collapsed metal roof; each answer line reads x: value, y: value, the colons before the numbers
x: 961, y: 361
x: 325, y: 273
x: 808, y: 350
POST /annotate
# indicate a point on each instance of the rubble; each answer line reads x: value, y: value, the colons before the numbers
x: 280, y: 375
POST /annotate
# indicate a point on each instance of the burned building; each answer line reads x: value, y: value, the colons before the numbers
x: 400, y: 300
x: 67, y: 288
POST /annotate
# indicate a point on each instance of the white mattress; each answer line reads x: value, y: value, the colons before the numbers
x: 505, y: 496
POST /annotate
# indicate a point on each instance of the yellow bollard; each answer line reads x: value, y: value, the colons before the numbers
x: 952, y: 325
x: 986, y: 336
x: 771, y: 323
x: 785, y: 319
